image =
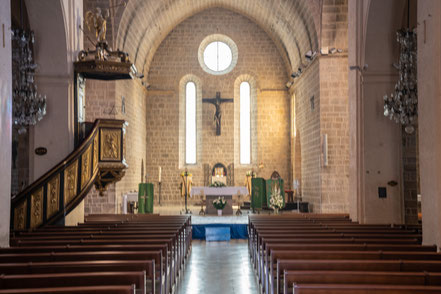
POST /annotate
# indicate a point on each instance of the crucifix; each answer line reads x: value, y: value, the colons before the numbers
x: 217, y: 115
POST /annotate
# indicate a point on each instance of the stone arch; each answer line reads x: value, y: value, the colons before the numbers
x: 181, y: 96
x: 290, y: 24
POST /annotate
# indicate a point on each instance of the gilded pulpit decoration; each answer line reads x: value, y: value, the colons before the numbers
x: 37, y: 208
x: 95, y: 153
x: 110, y: 145
x: 20, y: 216
x: 85, y: 166
x: 53, y: 192
x: 103, y: 63
x: 70, y: 182
x: 96, y: 22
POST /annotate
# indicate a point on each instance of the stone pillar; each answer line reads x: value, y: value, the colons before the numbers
x: 5, y: 120
x: 429, y: 109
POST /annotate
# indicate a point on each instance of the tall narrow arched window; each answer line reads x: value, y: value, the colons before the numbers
x: 190, y: 123
x: 245, y: 123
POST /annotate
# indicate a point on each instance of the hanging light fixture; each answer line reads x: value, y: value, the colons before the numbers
x: 29, y: 107
x: 402, y: 105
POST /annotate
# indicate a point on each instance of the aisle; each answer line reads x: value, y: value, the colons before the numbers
x: 219, y: 267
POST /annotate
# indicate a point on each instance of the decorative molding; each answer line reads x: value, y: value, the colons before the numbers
x: 53, y: 194
x: 20, y: 216
x: 86, y: 166
x: 37, y: 208
x: 110, y: 149
x: 70, y: 182
x: 95, y: 153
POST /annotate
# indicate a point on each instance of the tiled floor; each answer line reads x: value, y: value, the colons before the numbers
x: 219, y: 267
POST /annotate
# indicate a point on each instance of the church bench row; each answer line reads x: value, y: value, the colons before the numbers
x: 74, y: 279
x: 158, y: 252
x: 274, y: 275
x: 259, y: 250
x: 177, y: 248
x: 358, y: 277
x: 156, y: 256
x: 168, y: 267
x: 114, y: 289
x: 379, y: 248
x: 147, y: 266
x: 275, y: 225
x: 289, y: 231
x: 363, y: 289
x: 116, y: 241
x: 381, y: 244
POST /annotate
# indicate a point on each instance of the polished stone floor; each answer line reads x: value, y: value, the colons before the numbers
x: 218, y: 267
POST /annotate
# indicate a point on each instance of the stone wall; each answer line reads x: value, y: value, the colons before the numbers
x: 176, y: 57
x: 307, y: 103
x: 104, y: 100
x: 334, y: 116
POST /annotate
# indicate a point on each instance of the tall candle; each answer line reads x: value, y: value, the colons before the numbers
x: 160, y: 173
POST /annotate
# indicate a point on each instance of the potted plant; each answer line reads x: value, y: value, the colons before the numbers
x: 219, y: 204
x: 276, y: 201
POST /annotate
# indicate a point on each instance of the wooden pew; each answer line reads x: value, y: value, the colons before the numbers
x: 359, y: 277
x: 358, y: 265
x: 148, y: 266
x: 114, y: 289
x: 363, y: 289
x: 334, y: 231
x: 74, y: 279
x: 274, y: 282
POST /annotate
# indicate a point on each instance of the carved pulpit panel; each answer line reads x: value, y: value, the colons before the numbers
x: 86, y: 166
x: 70, y: 182
x: 37, y: 208
x: 53, y: 190
x: 20, y: 216
x: 110, y: 144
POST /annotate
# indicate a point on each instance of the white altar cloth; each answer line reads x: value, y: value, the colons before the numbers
x: 219, y: 191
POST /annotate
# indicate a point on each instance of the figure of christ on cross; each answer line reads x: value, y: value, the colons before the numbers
x: 217, y: 115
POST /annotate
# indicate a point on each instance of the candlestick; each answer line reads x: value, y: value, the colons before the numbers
x: 160, y: 173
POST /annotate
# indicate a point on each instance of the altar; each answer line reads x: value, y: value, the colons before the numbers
x: 212, y: 193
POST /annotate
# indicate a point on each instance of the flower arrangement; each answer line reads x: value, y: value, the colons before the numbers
x: 218, y: 184
x: 276, y: 200
x: 219, y: 203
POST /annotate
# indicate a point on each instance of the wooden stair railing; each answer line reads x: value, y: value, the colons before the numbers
x: 98, y: 160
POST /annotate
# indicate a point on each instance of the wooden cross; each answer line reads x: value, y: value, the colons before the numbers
x: 217, y: 115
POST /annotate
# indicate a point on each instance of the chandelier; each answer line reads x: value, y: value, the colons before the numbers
x: 402, y: 105
x: 29, y: 107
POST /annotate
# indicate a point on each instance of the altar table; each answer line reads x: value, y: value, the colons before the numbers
x: 212, y: 193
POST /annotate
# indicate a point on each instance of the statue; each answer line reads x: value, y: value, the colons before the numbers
x: 95, y: 20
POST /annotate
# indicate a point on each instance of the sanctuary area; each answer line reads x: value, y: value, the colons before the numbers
x: 220, y: 146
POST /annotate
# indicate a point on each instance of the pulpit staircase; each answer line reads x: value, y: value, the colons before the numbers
x: 99, y: 161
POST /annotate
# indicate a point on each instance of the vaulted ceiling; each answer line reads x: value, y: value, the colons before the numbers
x: 290, y: 23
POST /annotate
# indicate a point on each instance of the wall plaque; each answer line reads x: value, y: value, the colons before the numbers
x: 40, y: 151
